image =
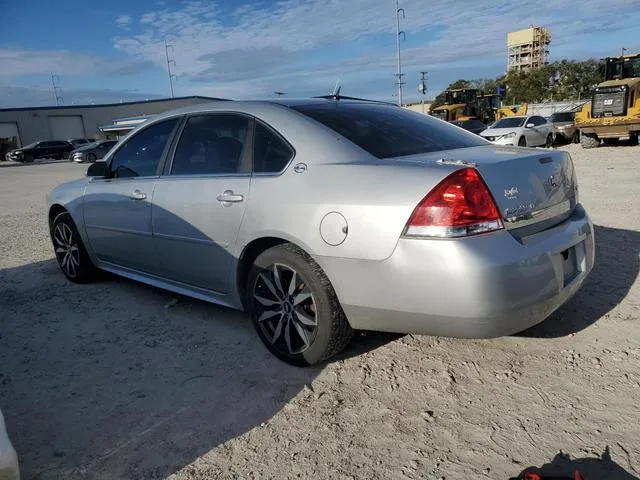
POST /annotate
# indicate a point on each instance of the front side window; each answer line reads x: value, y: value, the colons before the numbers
x: 140, y: 155
x: 271, y: 154
x: 212, y: 145
x: 388, y: 131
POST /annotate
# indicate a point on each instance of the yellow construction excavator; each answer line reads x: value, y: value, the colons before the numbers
x: 455, y: 103
x: 510, y: 111
x: 614, y: 110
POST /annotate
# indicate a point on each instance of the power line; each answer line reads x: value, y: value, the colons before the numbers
x: 169, y: 62
x: 57, y: 89
x: 399, y: 32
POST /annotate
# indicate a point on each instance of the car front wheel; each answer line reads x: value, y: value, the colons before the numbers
x: 294, y: 308
x: 70, y: 252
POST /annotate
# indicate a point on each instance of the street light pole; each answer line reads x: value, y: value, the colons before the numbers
x: 399, y: 32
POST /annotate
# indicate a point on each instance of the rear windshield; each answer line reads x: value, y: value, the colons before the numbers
x: 387, y: 131
x: 562, y: 117
x: 509, y: 122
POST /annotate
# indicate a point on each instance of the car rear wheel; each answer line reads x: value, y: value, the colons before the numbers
x: 294, y: 308
x: 522, y: 142
x: 70, y: 252
x: 549, y: 142
x: 589, y: 140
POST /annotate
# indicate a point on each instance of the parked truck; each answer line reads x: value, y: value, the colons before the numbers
x: 614, y: 110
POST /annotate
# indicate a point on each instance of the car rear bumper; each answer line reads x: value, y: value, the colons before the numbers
x: 480, y: 287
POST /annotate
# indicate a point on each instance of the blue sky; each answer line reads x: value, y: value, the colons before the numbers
x: 112, y: 51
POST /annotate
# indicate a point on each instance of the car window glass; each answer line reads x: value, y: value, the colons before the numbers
x: 271, y: 154
x: 140, y: 155
x: 537, y: 121
x: 388, y: 131
x: 509, y: 122
x: 211, y: 144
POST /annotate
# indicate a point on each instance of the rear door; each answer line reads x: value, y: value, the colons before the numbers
x: 199, y: 202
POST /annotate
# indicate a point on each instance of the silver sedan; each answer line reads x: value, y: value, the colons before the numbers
x: 327, y: 215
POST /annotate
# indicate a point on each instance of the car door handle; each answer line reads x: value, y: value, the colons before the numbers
x: 138, y: 195
x: 229, y: 197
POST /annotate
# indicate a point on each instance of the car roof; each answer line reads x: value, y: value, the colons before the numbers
x: 253, y: 105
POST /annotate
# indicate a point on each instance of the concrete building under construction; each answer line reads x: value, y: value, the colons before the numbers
x: 528, y: 48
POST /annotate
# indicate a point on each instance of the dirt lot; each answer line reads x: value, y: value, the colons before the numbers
x: 120, y: 380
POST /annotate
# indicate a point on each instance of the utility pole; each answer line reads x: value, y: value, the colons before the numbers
x: 399, y: 32
x: 169, y: 62
x: 422, y: 87
x: 57, y: 89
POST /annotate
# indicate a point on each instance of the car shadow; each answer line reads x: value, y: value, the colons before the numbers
x: 40, y: 161
x: 564, y: 467
x: 616, y: 268
x: 117, y: 379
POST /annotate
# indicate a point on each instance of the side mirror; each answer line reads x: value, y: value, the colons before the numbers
x: 529, y: 125
x: 98, y: 170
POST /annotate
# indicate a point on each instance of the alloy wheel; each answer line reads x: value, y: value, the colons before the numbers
x: 66, y: 249
x: 285, y: 309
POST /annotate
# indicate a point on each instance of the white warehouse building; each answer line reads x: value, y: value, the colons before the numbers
x: 21, y: 126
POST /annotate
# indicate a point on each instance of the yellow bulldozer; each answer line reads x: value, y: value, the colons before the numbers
x: 466, y: 104
x: 510, y: 111
x: 614, y: 110
x: 455, y: 103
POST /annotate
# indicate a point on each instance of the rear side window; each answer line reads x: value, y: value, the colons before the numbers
x: 537, y: 121
x: 212, y: 144
x: 271, y: 154
x: 562, y: 117
x: 387, y: 131
x: 140, y: 155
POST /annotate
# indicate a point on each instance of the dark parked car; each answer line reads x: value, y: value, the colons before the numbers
x: 50, y: 149
x: 473, y: 126
x: 79, y: 142
x: 92, y: 151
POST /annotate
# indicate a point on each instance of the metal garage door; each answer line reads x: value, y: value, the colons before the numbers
x: 64, y: 127
x: 9, y: 138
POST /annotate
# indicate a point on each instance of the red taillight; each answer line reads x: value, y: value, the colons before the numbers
x: 459, y: 206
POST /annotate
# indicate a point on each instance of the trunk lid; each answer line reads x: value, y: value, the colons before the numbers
x: 534, y: 189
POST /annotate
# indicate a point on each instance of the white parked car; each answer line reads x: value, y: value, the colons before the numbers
x: 8, y: 457
x: 530, y: 131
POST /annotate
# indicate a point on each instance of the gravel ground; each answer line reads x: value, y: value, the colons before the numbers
x: 120, y: 380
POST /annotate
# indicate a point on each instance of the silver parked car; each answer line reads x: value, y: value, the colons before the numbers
x: 322, y: 216
x: 92, y: 151
x: 564, y: 126
x: 9, y: 469
x: 531, y: 131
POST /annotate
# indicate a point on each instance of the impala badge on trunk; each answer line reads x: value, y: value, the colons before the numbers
x: 511, y: 193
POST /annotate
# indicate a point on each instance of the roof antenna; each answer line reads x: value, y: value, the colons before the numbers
x: 336, y: 89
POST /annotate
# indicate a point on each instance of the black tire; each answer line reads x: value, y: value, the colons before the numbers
x: 589, y: 140
x: 65, y: 155
x: 522, y: 142
x: 633, y: 139
x: 326, y: 337
x: 611, y: 141
x: 28, y: 158
x: 91, y: 157
x: 575, y: 138
x: 549, y: 142
x: 70, y: 252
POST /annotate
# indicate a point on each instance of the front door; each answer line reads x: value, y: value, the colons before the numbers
x: 117, y: 210
x: 199, y: 204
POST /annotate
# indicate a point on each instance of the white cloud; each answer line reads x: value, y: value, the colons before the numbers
x: 17, y: 62
x: 123, y: 20
x: 274, y: 43
x: 38, y: 95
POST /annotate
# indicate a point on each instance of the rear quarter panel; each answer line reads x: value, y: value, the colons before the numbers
x: 375, y: 197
